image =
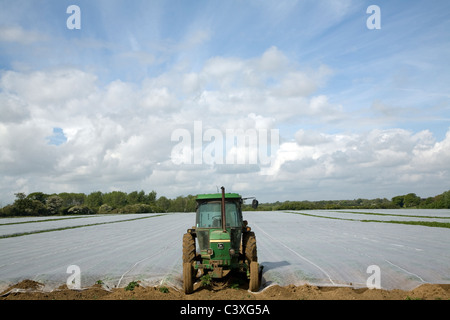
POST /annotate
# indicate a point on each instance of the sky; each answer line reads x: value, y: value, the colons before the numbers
x: 345, y: 101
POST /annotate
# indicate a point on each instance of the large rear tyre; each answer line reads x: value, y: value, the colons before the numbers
x: 188, y: 248
x: 188, y: 282
x: 249, y: 247
x: 254, y: 283
x: 189, y: 253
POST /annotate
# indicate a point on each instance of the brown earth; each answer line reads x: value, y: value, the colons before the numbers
x: 31, y: 290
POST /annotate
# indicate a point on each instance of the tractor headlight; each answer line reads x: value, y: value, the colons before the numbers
x: 210, y: 251
x: 232, y: 252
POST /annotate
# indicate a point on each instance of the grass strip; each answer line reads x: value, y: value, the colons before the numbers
x: 72, y: 227
x: 418, y: 223
x: 317, y: 216
x: 390, y: 214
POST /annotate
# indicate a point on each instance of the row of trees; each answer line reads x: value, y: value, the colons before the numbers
x: 334, y: 204
x: 410, y: 200
x: 41, y: 204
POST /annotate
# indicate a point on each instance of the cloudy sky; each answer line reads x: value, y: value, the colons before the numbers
x: 354, y: 112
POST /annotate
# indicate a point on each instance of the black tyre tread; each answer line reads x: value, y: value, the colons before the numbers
x: 249, y: 241
x: 189, y: 252
x: 188, y: 283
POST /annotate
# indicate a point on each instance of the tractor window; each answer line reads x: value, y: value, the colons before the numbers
x: 210, y: 216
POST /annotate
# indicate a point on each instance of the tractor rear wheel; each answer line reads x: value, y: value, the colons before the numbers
x: 249, y: 244
x: 189, y: 254
x: 254, y: 283
x: 188, y: 248
x: 188, y: 282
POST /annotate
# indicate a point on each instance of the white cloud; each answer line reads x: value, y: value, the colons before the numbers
x: 158, y: 100
x: 432, y: 157
x: 109, y: 138
x: 12, y: 108
x: 378, y: 159
x: 379, y: 163
x: 304, y: 138
x: 272, y: 61
x: 119, y: 134
x: 48, y: 88
x: 269, y: 84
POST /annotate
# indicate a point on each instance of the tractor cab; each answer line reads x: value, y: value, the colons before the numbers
x: 209, y: 214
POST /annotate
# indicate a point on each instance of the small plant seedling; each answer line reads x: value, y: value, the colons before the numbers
x: 234, y: 286
x: 164, y: 290
x: 206, y: 280
x: 131, y: 286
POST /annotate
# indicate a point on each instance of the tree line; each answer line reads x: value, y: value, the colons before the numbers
x: 410, y: 200
x: 41, y: 204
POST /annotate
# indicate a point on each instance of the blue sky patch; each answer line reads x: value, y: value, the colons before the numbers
x: 57, y: 138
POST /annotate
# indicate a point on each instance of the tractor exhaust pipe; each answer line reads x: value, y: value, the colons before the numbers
x: 224, y: 225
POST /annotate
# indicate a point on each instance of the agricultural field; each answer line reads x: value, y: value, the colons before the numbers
x: 336, y: 248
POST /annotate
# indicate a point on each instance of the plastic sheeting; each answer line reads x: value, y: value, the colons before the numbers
x: 292, y: 248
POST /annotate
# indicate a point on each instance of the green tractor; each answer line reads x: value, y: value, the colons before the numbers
x: 225, y: 241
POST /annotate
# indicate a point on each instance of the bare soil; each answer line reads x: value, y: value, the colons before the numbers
x: 31, y: 290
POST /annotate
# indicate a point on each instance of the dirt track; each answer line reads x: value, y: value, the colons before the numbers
x: 30, y: 290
